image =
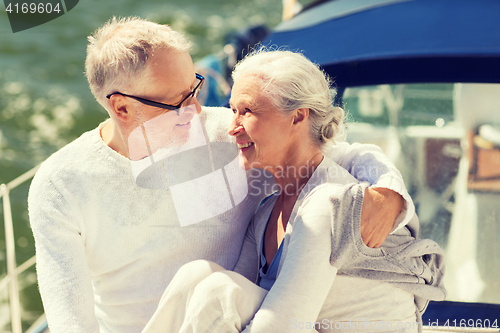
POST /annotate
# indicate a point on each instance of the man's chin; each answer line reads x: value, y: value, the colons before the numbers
x: 179, y: 141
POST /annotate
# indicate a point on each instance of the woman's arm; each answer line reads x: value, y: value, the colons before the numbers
x: 305, y: 279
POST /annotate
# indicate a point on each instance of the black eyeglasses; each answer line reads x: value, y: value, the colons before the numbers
x: 178, y: 107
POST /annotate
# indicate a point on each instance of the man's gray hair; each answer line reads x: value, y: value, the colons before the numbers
x: 118, y: 53
x: 292, y: 81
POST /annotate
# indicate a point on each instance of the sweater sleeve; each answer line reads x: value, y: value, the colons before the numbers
x: 367, y: 162
x: 248, y: 262
x: 306, y: 277
x: 63, y: 275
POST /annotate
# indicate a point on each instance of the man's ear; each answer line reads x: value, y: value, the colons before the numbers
x: 121, y: 107
x: 300, y: 115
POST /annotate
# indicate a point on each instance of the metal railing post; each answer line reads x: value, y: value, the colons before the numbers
x: 15, y: 307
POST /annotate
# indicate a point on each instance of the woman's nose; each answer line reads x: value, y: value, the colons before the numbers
x: 236, y: 127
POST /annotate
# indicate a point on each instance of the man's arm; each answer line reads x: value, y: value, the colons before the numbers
x: 63, y: 275
x: 387, y: 205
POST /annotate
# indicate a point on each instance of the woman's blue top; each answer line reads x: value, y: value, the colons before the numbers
x: 267, y: 277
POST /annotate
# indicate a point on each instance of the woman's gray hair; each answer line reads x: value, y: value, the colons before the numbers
x: 292, y: 81
x: 118, y: 53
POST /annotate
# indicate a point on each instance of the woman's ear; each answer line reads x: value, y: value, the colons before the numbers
x: 300, y: 115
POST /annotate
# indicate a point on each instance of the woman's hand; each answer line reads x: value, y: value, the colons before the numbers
x: 381, y: 207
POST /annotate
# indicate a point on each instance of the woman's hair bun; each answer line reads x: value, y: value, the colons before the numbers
x: 330, y: 129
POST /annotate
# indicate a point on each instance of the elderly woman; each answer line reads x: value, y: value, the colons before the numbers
x: 304, y: 265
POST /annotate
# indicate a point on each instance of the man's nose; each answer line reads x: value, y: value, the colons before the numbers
x: 197, y: 105
x: 194, y: 107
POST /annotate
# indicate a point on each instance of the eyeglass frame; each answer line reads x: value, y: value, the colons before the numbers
x: 177, y: 108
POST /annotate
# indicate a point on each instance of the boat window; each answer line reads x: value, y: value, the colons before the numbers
x: 445, y: 140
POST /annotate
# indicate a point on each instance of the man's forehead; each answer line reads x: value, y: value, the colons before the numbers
x: 162, y: 57
x: 171, y: 72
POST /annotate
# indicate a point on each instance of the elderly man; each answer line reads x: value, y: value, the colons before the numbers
x: 108, y: 243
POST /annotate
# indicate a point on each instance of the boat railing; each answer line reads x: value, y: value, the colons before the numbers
x: 13, y: 271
